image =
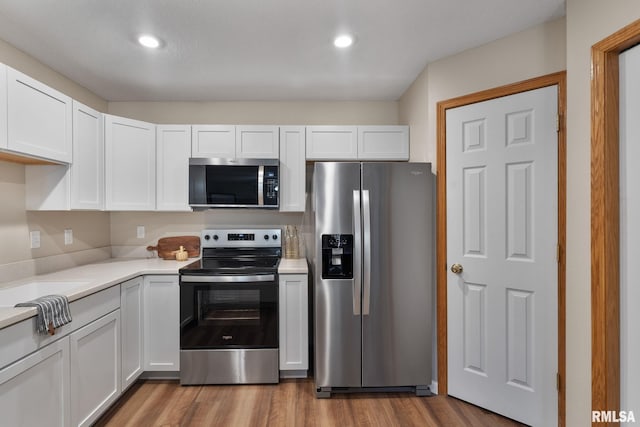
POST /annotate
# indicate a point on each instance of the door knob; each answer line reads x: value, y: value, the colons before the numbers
x: 456, y: 268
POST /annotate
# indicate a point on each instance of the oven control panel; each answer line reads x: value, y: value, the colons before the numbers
x: 239, y: 238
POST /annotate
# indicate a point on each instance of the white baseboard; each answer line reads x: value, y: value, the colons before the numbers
x: 434, y: 387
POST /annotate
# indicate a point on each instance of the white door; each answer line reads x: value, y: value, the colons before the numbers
x: 502, y: 230
x: 629, y: 229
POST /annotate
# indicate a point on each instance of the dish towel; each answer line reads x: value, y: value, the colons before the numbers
x: 53, y: 312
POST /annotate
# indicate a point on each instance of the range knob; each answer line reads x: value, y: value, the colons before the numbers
x: 215, y: 237
x: 266, y: 237
x: 207, y: 237
x: 275, y: 237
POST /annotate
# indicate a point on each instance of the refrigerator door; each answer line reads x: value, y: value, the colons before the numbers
x: 337, y: 300
x: 398, y: 274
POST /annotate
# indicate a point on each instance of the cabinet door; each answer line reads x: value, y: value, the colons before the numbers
x: 130, y: 163
x: 332, y: 143
x: 39, y: 118
x: 292, y: 169
x: 34, y: 391
x: 173, y: 143
x: 131, y: 330
x: 217, y: 141
x: 3, y: 106
x: 161, y: 323
x: 294, y: 323
x: 87, y: 169
x: 257, y: 142
x: 95, y: 368
x: 383, y: 143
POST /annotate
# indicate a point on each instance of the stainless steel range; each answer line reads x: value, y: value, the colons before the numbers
x: 229, y: 309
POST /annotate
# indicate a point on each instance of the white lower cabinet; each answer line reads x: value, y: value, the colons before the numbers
x: 95, y: 368
x: 294, y: 325
x: 161, y: 323
x: 34, y: 391
x: 131, y: 330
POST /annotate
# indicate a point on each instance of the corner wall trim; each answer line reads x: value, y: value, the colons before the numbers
x: 605, y: 219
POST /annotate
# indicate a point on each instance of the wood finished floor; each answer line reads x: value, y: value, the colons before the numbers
x: 290, y: 403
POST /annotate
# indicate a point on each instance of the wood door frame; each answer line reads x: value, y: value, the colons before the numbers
x: 605, y: 217
x: 558, y: 79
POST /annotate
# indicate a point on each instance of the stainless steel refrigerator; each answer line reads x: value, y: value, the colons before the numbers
x: 374, y: 275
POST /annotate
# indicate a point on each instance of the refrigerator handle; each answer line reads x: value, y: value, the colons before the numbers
x: 366, y: 213
x: 357, y: 255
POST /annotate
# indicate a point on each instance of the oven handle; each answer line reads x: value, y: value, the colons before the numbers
x: 228, y: 279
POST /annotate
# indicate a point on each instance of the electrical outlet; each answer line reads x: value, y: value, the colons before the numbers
x: 34, y: 236
x: 68, y: 236
x: 140, y: 232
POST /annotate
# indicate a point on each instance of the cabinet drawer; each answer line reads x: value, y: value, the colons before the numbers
x: 21, y: 339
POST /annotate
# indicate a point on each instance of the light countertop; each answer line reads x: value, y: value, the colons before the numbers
x: 94, y: 277
x: 98, y: 276
x: 293, y: 266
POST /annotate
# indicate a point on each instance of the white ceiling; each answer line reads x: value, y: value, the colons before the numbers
x: 225, y: 50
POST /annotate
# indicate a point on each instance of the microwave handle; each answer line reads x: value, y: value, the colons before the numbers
x: 261, y: 185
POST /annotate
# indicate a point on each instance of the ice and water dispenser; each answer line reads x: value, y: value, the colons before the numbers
x: 337, y: 256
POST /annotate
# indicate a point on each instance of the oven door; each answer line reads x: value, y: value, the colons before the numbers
x: 228, y: 312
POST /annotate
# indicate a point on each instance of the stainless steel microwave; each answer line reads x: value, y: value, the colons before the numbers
x: 233, y: 183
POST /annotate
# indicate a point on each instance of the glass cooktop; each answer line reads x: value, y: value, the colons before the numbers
x: 233, y: 265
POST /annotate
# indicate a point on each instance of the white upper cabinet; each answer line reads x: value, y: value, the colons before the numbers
x: 87, y: 169
x: 257, y: 142
x: 173, y: 144
x: 217, y: 141
x: 130, y: 164
x: 235, y: 142
x: 38, y: 119
x: 332, y: 142
x: 3, y: 107
x: 383, y: 143
x: 292, y: 169
x: 76, y: 186
x: 357, y: 143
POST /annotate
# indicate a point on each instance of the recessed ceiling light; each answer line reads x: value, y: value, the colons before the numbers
x: 149, y: 41
x: 342, y: 41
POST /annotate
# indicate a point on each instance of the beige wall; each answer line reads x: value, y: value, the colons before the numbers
x: 277, y: 113
x: 91, y: 230
x: 588, y: 21
x: 19, y: 60
x: 414, y: 111
x: 534, y: 52
x: 164, y: 224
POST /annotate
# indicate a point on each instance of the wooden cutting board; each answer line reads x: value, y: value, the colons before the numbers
x: 168, y: 246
